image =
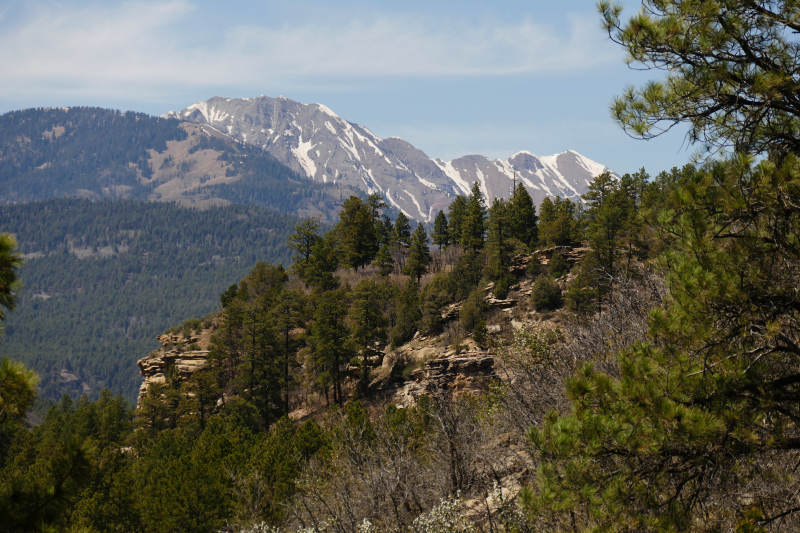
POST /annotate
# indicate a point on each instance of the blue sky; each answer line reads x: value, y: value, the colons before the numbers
x: 452, y: 78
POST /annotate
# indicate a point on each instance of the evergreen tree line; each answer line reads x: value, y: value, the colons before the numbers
x: 103, y: 278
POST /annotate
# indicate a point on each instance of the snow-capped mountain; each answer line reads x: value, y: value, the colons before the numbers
x: 315, y: 141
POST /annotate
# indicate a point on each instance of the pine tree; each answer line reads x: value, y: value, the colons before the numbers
x: 712, y: 392
x: 357, y: 233
x: 419, y: 256
x: 582, y: 296
x: 498, y: 245
x: 302, y: 241
x: 384, y: 261
x: 329, y: 338
x: 609, y: 214
x: 17, y: 390
x: 458, y: 215
x: 408, y: 314
x: 401, y: 240
x: 523, y: 222
x: 260, y: 372
x: 634, y: 188
x: 474, y: 226
x: 368, y: 324
x: 440, y: 235
x: 557, y: 222
x: 323, y: 263
x: 289, y: 313
x: 728, y: 72
x: 10, y: 263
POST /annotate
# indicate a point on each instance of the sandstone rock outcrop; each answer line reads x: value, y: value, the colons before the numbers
x: 174, y: 356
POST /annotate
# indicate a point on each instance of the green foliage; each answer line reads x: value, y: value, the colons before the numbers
x: 17, y: 390
x: 44, y: 473
x: 152, y: 265
x: 270, y: 478
x: 10, y: 263
x: 329, y: 336
x: 432, y: 300
x: 357, y: 234
x: 323, y: 263
x: 481, y: 333
x: 474, y: 225
x: 441, y: 234
x: 545, y: 294
x: 419, y: 256
x: 502, y: 286
x: 302, y: 241
x: 523, y: 222
x: 465, y: 276
x: 728, y: 72
x: 498, y: 246
x: 408, y: 314
x: 713, y: 392
x: 368, y: 324
x: 611, y: 213
x: 558, y: 222
x: 401, y: 234
x: 247, y: 357
x: 534, y: 267
x: 471, y: 312
x: 458, y: 215
x: 558, y: 265
x: 582, y: 295
x: 383, y: 260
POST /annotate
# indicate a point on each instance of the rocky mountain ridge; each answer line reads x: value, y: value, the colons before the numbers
x: 315, y: 142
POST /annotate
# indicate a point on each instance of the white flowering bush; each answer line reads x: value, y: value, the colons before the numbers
x: 444, y: 518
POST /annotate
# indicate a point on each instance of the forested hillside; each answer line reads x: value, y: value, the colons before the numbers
x: 101, y: 279
x: 101, y: 153
x: 46, y: 153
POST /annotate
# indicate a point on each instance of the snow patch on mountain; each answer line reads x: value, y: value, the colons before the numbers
x: 301, y: 152
x: 316, y: 142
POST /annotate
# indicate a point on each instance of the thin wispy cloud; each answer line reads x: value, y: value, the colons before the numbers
x: 145, y: 46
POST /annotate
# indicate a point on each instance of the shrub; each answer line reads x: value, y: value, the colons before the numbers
x: 480, y: 334
x: 546, y: 294
x: 472, y: 310
x: 581, y: 296
x: 434, y: 298
x: 466, y: 274
x: 534, y: 268
x: 558, y: 265
x: 502, y: 286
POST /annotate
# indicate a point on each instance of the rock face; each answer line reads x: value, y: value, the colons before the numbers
x: 571, y: 255
x: 314, y: 141
x: 173, y: 356
x: 467, y: 372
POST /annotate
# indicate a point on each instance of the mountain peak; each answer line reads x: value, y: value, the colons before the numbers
x: 315, y: 141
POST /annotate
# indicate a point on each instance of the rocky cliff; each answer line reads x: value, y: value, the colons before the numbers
x: 179, y: 353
